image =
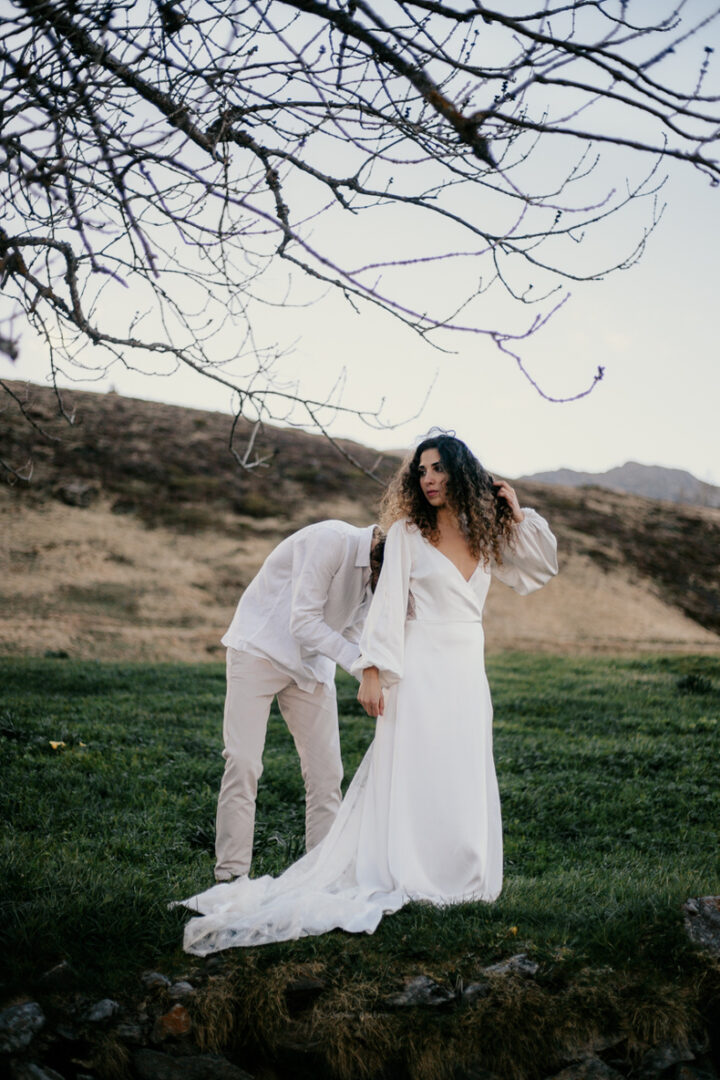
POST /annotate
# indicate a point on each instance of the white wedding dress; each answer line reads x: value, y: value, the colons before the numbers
x: 421, y: 818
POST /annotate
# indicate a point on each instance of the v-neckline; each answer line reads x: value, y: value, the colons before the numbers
x: 447, y: 559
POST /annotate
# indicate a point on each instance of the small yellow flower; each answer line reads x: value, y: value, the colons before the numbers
x: 513, y: 930
x: 56, y: 745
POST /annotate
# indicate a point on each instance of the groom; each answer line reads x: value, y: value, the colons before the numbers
x: 298, y: 617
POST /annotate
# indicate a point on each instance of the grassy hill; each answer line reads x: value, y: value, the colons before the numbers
x: 169, y: 465
x: 137, y: 532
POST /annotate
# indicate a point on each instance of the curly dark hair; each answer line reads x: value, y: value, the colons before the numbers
x: 485, y: 519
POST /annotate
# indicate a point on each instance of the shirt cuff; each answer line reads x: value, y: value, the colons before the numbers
x: 348, y: 658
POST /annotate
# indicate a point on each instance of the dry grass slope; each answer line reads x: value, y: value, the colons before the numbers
x: 138, y: 532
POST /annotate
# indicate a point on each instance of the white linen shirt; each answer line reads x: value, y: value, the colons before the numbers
x: 305, y: 608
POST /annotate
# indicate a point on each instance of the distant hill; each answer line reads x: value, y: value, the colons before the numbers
x: 652, y: 481
x: 138, y: 531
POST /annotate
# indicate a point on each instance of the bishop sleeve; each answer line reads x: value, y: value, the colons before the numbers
x: 531, y: 560
x: 382, y: 644
x: 316, y: 560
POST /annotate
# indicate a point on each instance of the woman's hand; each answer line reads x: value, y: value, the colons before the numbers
x: 370, y: 694
x: 504, y: 491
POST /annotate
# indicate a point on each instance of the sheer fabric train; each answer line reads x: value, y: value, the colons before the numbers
x: 421, y: 818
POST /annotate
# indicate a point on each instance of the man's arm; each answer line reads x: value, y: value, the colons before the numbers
x: 317, y: 556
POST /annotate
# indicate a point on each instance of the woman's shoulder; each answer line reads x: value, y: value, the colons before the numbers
x: 403, y: 525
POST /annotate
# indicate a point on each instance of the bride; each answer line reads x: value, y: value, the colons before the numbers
x: 421, y: 818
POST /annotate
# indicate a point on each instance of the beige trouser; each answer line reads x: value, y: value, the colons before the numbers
x: 252, y: 683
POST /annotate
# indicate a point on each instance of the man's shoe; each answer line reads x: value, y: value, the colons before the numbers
x: 224, y: 877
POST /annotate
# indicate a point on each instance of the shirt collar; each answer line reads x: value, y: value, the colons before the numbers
x: 363, y: 549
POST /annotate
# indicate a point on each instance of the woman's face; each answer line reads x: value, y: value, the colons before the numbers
x: 433, y: 478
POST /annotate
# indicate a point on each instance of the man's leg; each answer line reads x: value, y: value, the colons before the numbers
x: 313, y: 722
x: 252, y: 683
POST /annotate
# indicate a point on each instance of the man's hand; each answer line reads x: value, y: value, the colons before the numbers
x: 370, y: 694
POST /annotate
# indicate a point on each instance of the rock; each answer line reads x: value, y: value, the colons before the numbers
x: 180, y: 990
x: 77, y: 492
x: 475, y: 991
x: 591, y: 1069
x: 153, y: 980
x: 176, y: 1022
x: 421, y: 990
x: 701, y: 916
x: 516, y: 965
x: 19, y: 1025
x: 25, y: 1070
x: 101, y: 1010
x: 662, y: 1057
x: 153, y: 1065
x: 130, y: 1031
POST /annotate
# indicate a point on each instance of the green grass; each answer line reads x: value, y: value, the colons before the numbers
x: 608, y: 777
